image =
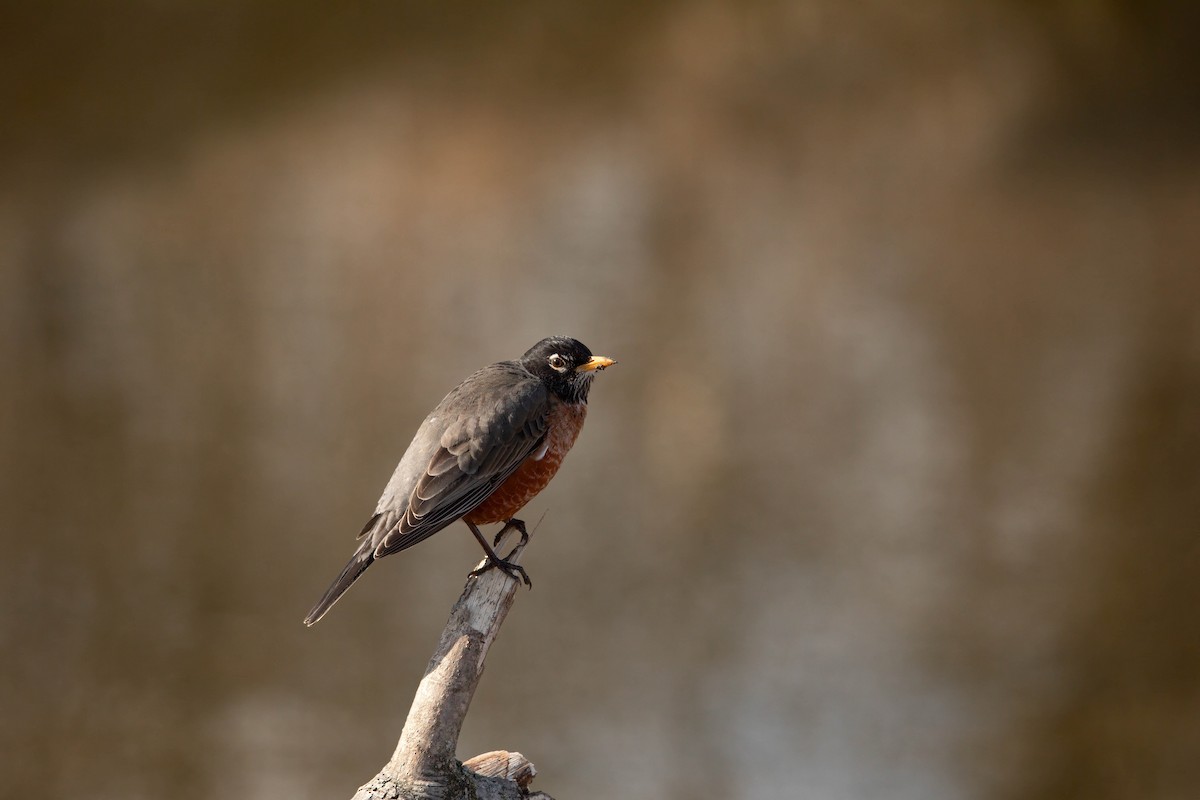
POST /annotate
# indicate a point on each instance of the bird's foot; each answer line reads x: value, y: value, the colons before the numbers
x: 512, y: 523
x: 507, y: 567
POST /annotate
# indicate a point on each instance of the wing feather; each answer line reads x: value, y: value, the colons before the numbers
x: 481, y: 445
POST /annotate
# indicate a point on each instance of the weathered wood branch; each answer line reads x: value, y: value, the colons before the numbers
x: 424, y: 765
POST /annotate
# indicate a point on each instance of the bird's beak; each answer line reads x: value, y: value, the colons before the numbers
x: 595, y: 364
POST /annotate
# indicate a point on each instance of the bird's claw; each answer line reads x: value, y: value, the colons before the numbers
x: 512, y: 523
x: 507, y: 567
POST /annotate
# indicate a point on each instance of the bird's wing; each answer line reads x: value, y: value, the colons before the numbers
x: 490, y: 424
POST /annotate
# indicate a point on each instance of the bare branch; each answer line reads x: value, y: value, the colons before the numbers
x: 424, y: 764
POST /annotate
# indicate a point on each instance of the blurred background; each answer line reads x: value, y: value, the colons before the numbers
x: 894, y: 493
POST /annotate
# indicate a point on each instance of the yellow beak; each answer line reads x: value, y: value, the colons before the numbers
x: 595, y: 364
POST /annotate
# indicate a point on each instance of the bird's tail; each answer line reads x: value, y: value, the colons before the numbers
x: 358, y: 564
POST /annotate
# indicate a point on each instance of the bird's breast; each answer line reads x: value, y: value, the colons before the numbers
x: 562, y: 428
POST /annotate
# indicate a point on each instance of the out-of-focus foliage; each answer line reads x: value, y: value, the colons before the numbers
x: 893, y: 494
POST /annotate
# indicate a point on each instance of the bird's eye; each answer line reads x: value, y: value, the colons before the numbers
x: 558, y: 362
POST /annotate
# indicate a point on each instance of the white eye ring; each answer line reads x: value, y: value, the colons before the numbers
x: 558, y: 362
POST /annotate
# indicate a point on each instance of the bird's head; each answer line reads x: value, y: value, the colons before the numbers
x: 566, y: 365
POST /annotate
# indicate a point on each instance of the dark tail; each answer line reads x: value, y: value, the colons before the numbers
x: 358, y: 564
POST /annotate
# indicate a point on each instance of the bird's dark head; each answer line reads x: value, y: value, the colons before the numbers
x: 565, y: 365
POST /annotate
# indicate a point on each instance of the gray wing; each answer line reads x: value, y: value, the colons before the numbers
x: 476, y: 437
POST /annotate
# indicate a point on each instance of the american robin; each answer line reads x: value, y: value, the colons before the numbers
x: 487, y: 449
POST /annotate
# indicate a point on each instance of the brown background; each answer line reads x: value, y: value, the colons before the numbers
x: 894, y: 493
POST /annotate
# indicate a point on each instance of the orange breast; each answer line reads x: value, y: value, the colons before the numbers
x: 532, y: 476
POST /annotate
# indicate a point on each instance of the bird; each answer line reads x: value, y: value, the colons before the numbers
x: 488, y: 448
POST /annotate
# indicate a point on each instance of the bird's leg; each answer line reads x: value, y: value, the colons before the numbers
x: 512, y: 523
x: 510, y: 569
